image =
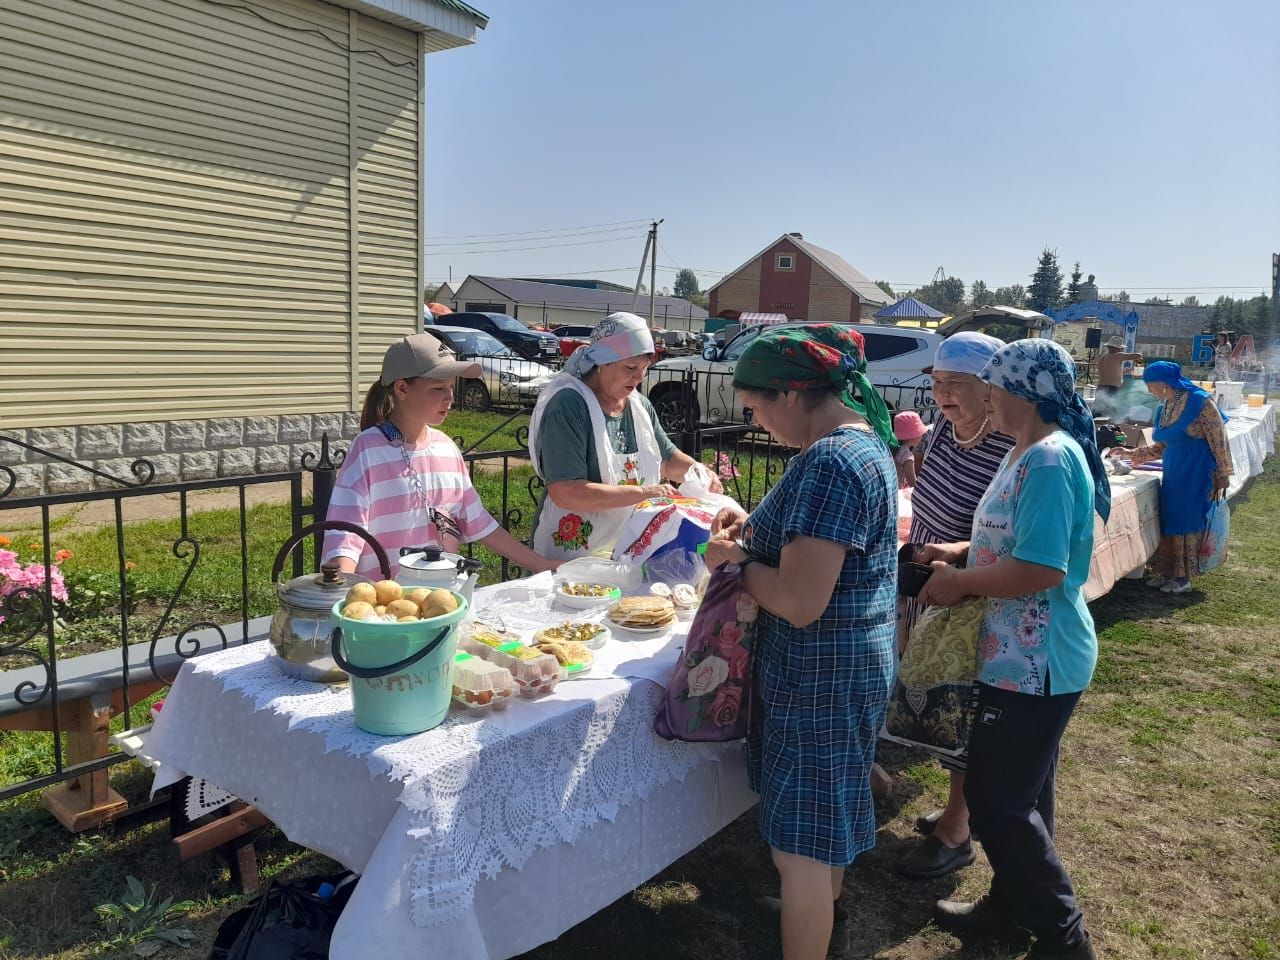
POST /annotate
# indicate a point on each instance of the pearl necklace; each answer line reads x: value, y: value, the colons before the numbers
x: 973, y: 441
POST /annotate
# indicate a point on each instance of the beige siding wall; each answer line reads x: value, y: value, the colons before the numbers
x: 829, y: 299
x: 175, y: 230
x: 740, y: 291
x: 388, y: 132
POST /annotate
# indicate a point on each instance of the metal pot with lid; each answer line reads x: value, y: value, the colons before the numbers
x: 300, y: 627
x: 432, y: 567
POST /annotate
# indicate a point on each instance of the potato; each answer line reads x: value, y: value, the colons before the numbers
x: 438, y: 603
x: 418, y: 595
x: 410, y: 619
x: 380, y: 610
x: 404, y: 607
x: 362, y: 591
x: 387, y: 591
x: 358, y: 610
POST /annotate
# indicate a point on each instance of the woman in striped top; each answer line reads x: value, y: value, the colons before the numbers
x: 961, y: 457
x: 406, y: 482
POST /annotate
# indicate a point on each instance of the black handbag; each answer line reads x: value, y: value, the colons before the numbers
x: 288, y: 921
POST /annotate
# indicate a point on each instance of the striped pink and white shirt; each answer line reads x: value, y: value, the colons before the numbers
x: 374, y: 490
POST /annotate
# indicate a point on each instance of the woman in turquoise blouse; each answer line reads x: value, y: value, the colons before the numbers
x: 1032, y: 541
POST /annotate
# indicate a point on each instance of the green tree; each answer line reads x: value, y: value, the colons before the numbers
x: 686, y: 284
x: 884, y: 285
x: 1120, y: 297
x: 1014, y: 296
x: 980, y: 295
x: 1158, y: 300
x: 1073, y: 288
x: 1190, y: 301
x: 946, y: 295
x: 1046, y: 283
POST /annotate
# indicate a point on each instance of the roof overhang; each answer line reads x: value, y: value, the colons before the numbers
x: 444, y: 24
x: 969, y: 320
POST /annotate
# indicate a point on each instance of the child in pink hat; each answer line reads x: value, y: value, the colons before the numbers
x: 909, y: 429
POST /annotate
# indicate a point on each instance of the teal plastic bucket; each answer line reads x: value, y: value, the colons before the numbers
x: 401, y: 673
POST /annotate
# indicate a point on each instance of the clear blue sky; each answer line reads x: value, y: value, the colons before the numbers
x: 1141, y: 137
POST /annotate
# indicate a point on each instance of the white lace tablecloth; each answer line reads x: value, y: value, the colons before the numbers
x: 537, y: 787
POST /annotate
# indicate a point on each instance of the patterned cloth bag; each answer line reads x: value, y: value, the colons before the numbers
x: 709, y: 696
x: 1213, y: 543
x: 943, y: 647
x: 935, y: 693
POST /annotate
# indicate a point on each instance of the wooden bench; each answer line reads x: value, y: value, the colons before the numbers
x: 91, y: 692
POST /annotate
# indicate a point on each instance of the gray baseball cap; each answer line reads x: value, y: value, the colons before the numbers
x: 423, y: 355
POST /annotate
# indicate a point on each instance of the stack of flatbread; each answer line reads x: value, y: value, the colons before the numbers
x: 642, y: 613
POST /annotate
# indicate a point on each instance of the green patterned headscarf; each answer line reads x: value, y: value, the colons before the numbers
x: 815, y: 356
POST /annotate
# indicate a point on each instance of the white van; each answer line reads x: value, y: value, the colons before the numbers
x: 687, y: 390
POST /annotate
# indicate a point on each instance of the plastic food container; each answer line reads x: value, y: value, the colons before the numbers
x: 535, y: 674
x: 479, y: 685
x: 1257, y: 400
x: 479, y: 643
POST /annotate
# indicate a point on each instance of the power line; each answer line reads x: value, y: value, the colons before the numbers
x: 631, y: 231
x: 531, y: 234
x: 543, y: 246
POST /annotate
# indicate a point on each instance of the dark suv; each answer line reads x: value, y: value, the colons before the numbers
x: 529, y: 344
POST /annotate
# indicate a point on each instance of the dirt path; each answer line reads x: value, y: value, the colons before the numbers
x: 79, y: 517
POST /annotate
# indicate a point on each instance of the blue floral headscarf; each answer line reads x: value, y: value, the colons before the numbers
x: 1043, y: 373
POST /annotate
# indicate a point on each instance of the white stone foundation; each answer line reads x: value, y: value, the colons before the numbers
x: 179, y: 450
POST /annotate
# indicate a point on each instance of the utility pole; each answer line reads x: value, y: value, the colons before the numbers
x: 635, y: 294
x: 1275, y: 312
x: 653, y: 269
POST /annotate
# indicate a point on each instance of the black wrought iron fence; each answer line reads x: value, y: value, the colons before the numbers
x: 65, y: 681
x: 47, y: 683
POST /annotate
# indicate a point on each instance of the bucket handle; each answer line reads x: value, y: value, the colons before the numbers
x: 383, y: 563
x: 372, y: 673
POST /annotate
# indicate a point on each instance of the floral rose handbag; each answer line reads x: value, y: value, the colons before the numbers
x: 709, y: 696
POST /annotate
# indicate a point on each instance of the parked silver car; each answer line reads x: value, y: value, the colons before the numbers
x: 507, y: 378
x: 699, y: 389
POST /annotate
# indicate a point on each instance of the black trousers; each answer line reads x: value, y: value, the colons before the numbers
x: 1013, y: 754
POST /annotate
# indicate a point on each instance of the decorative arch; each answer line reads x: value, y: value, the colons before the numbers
x: 1104, y: 312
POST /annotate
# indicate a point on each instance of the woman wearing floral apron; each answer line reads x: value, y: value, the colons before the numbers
x: 597, y: 445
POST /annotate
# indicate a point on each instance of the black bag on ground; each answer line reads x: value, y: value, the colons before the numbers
x: 288, y: 921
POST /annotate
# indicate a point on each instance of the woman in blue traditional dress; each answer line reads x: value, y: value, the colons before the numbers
x: 825, y: 537
x: 1197, y: 466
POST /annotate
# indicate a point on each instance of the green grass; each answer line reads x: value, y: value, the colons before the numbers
x: 1167, y: 812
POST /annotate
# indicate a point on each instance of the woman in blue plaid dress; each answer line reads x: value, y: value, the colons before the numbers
x: 826, y: 540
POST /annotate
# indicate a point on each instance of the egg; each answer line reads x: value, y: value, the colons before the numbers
x: 358, y: 610
x: 362, y: 591
x: 402, y: 608
x: 387, y: 591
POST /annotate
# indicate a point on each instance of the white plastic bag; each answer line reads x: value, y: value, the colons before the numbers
x: 656, y: 523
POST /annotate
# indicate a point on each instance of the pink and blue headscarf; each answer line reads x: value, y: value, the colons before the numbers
x: 619, y: 336
x: 1043, y: 373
